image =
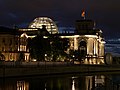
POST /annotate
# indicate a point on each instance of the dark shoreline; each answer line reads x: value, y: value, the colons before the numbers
x: 19, y: 71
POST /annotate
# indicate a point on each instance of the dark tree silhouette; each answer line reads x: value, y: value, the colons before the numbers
x: 39, y: 47
x: 58, y: 47
x: 21, y: 56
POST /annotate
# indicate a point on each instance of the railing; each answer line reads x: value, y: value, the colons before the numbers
x: 37, y: 63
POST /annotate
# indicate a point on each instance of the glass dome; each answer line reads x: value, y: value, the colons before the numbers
x: 49, y: 23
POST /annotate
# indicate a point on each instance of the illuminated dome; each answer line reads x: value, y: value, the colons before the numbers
x: 49, y: 23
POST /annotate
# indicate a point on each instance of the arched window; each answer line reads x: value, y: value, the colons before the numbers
x: 83, y: 49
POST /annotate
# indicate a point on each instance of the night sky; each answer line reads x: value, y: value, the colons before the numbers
x: 106, y: 13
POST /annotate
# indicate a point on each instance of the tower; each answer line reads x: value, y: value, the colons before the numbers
x: 90, y: 42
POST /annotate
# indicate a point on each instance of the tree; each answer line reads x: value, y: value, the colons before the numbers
x: 57, y: 48
x: 52, y: 46
x: 21, y: 57
x: 38, y: 47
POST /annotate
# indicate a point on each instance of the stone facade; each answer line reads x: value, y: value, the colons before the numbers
x: 86, y: 43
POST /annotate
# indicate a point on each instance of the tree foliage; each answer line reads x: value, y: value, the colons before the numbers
x: 53, y: 46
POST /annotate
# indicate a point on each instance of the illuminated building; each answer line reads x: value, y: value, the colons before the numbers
x: 14, y: 41
x: 29, y: 33
x: 86, y: 43
x: 8, y: 44
x: 22, y: 85
x: 49, y: 23
x: 42, y: 26
x: 13, y: 45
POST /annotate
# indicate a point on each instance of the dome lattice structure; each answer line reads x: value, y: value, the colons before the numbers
x: 49, y: 23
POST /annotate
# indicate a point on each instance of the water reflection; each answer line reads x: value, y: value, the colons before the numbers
x: 94, y: 82
x: 22, y: 85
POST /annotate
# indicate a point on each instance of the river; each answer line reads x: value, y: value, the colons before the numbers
x: 63, y: 82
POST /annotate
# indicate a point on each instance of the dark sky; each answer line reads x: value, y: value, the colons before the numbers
x: 106, y: 13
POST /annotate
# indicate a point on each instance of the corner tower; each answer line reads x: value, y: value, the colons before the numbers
x: 90, y: 43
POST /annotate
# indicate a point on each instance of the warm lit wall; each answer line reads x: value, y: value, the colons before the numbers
x: 95, y: 47
x: 8, y: 42
x: 11, y: 56
x: 8, y: 46
x: 90, y: 46
x: 23, y: 42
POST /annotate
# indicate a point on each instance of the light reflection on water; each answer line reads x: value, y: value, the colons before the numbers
x: 22, y: 85
x: 79, y: 82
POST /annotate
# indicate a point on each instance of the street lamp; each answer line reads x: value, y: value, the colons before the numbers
x: 45, y: 57
x: 73, y: 58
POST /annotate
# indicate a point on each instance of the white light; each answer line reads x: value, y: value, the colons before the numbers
x: 45, y: 54
x: 30, y: 29
x: 70, y: 36
x: 73, y: 56
x: 98, y: 62
x: 93, y: 36
x: 103, y: 42
x: 24, y: 35
x: 73, y: 85
x: 49, y: 23
x: 45, y: 37
x: 32, y: 36
x: 34, y: 60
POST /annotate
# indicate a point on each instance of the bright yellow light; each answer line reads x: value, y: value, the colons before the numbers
x: 73, y: 85
x: 24, y: 35
x: 34, y: 60
x: 102, y: 61
x: 32, y: 36
x: 91, y: 36
x: 98, y: 63
x: 29, y: 29
x: 73, y: 36
x: 49, y: 23
x: 103, y: 42
x: 75, y: 44
x: 45, y: 37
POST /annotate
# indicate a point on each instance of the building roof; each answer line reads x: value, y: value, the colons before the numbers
x: 49, y: 23
x: 6, y: 30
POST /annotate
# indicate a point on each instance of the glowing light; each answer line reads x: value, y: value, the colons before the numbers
x: 92, y: 36
x: 98, y: 63
x: 73, y: 85
x: 29, y: 29
x: 50, y: 25
x: 90, y: 62
x: 102, y: 61
x: 24, y: 35
x: 86, y: 61
x: 103, y: 42
x: 45, y: 54
x: 74, y: 36
x: 32, y: 36
x: 83, y: 14
x: 45, y: 37
x: 22, y: 85
x: 75, y: 44
x: 34, y: 60
x: 22, y: 48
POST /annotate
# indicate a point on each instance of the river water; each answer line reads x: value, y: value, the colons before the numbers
x: 63, y: 82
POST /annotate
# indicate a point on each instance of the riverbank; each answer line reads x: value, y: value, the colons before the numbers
x: 52, y: 69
